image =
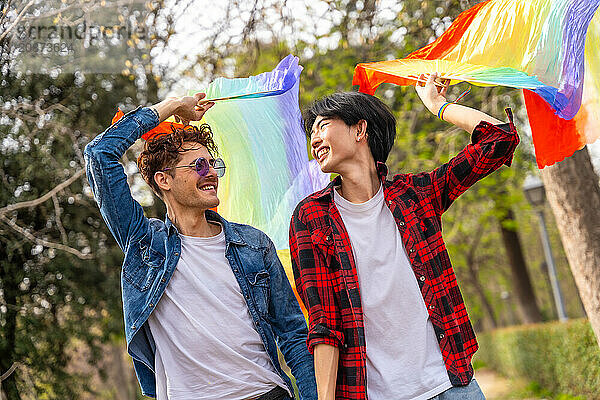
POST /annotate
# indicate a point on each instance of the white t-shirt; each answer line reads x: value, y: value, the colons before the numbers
x: 206, y: 343
x: 404, y: 360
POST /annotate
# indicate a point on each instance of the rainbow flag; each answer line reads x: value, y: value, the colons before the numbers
x: 262, y: 141
x: 536, y: 45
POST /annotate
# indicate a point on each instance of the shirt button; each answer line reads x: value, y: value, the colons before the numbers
x: 163, y: 280
x: 422, y: 278
x: 133, y: 327
x: 401, y: 223
x: 151, y: 305
x: 441, y: 335
x: 390, y: 202
x: 345, y: 346
x: 176, y: 253
x: 412, y: 250
x: 328, y: 238
x: 431, y: 307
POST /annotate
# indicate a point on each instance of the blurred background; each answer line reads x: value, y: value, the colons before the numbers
x: 61, y: 323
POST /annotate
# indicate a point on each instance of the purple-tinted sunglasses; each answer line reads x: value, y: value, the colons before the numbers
x: 201, y: 165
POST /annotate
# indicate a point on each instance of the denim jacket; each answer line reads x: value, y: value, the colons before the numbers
x: 152, y: 248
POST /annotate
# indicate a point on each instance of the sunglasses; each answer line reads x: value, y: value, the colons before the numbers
x: 202, y: 165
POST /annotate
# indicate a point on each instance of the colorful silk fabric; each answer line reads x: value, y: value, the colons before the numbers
x: 555, y: 138
x: 264, y: 147
x: 537, y: 45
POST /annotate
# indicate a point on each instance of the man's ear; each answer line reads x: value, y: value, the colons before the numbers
x: 162, y: 180
x: 361, y: 130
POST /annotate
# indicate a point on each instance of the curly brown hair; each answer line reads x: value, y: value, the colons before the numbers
x: 164, y: 151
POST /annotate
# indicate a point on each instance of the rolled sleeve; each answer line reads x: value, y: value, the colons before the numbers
x: 320, y: 334
x: 315, y: 287
x: 504, y: 137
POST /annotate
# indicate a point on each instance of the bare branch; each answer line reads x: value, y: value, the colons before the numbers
x: 42, y: 111
x: 93, y: 6
x: 61, y: 228
x: 17, y: 20
x: 44, y: 198
x: 54, y: 12
x: 5, y: 11
x: 44, y: 242
x: 9, y: 372
x: 76, y: 148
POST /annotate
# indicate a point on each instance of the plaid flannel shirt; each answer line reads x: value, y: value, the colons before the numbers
x: 325, y: 271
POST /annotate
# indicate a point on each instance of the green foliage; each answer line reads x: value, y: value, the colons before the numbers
x: 560, y: 357
x: 49, y: 296
x: 535, y: 389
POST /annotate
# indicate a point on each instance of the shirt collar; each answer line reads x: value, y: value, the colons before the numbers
x: 231, y: 234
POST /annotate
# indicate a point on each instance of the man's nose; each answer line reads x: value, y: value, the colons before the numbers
x: 315, y: 140
x: 212, y: 172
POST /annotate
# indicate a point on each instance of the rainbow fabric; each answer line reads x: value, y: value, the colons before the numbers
x: 263, y: 144
x: 537, y: 45
x: 555, y: 138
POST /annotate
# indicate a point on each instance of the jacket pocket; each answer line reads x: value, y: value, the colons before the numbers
x: 323, y: 241
x: 261, y: 290
x: 142, y: 265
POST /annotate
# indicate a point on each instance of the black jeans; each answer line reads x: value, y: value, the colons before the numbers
x: 278, y: 393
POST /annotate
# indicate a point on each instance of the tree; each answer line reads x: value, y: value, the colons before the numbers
x: 59, y: 266
x: 54, y: 246
x: 574, y: 195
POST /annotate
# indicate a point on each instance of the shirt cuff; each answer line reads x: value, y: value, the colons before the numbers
x: 321, y: 340
x: 155, y: 113
x: 321, y: 334
x: 487, y: 131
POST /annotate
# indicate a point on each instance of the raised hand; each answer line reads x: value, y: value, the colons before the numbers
x: 192, y: 108
x: 433, y: 96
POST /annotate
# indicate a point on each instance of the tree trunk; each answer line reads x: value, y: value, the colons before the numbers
x: 7, y: 352
x: 574, y: 195
x: 492, y: 323
x: 10, y: 289
x: 527, y: 305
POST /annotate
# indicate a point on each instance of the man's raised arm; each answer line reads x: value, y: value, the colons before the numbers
x: 492, y: 145
x: 123, y: 215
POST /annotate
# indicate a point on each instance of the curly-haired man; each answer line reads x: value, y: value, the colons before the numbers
x: 206, y: 302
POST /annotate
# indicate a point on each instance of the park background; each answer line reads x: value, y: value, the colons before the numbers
x: 61, y: 325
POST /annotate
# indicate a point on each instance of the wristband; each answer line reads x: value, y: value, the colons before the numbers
x: 445, y: 105
x: 440, y: 113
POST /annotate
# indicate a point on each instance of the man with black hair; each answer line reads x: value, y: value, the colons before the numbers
x: 386, y: 317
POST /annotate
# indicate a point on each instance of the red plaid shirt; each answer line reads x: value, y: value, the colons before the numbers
x: 325, y: 271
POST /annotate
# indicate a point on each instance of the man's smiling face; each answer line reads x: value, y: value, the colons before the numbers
x: 187, y: 188
x: 332, y: 143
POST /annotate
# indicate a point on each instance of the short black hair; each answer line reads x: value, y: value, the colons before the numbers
x: 351, y: 107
